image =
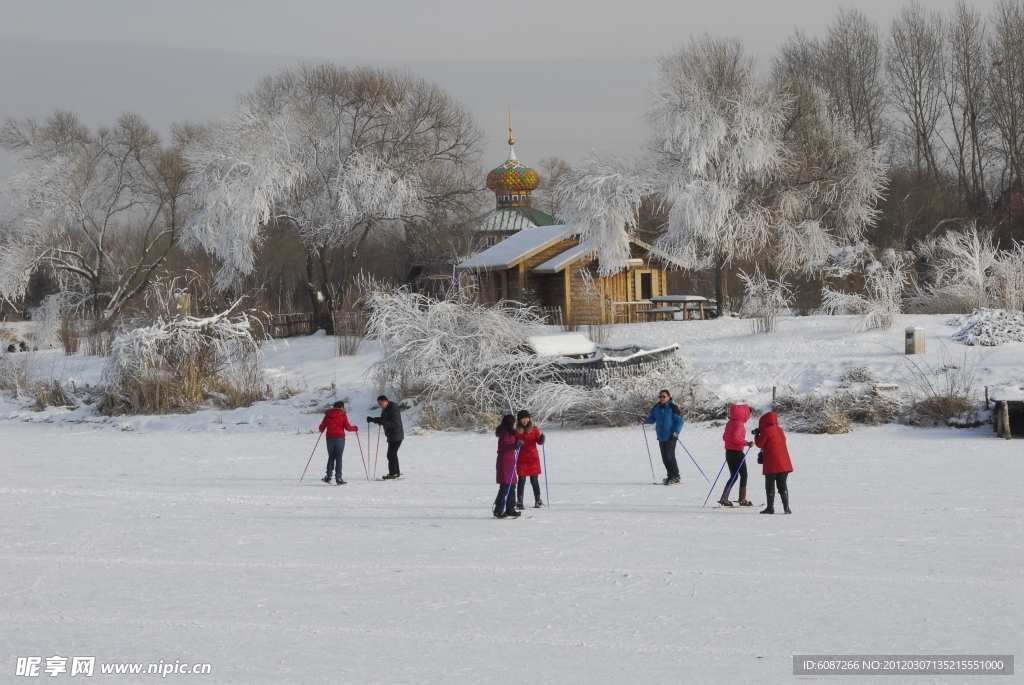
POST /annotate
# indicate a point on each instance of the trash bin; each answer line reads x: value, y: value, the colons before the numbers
x: 915, y: 340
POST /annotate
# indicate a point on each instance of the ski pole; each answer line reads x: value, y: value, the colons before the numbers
x: 376, y: 456
x: 547, y: 493
x: 715, y: 483
x: 365, y: 470
x: 649, y: 460
x: 311, y: 456
x: 515, y: 464
x: 693, y: 460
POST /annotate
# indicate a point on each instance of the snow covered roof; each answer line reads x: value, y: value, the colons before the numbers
x: 516, y: 248
x: 1006, y: 394
x: 561, y: 261
x: 515, y: 218
x: 561, y: 345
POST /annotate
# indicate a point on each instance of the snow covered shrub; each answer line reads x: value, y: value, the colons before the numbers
x: 836, y: 412
x: 885, y: 278
x: 958, y: 270
x: 989, y: 327
x: 464, y: 362
x: 942, y: 394
x: 621, y: 400
x: 765, y: 298
x: 51, y: 394
x: 857, y: 374
x: 52, y: 321
x: 180, y: 365
x: 1007, y: 287
x: 15, y: 373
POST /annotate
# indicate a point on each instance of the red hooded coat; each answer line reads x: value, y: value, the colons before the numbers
x: 336, y: 423
x: 529, y: 458
x: 735, y: 434
x: 505, y: 466
x: 772, y: 442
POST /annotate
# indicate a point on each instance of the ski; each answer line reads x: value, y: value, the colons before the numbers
x: 736, y: 506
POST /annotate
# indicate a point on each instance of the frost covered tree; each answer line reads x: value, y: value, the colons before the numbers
x: 337, y: 155
x: 747, y: 166
x: 885, y: 279
x: 963, y: 270
x: 100, y: 211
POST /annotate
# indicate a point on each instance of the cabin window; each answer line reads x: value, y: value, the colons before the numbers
x: 646, y: 289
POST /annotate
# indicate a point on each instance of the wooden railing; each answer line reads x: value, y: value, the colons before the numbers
x: 625, y: 312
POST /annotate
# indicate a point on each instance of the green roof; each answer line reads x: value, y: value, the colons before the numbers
x: 506, y: 219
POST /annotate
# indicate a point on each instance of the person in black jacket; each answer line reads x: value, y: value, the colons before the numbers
x: 391, y: 420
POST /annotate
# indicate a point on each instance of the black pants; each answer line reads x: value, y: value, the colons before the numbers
x: 534, y: 481
x: 773, y: 481
x: 504, y: 501
x: 668, y: 457
x: 393, y: 457
x: 734, y: 458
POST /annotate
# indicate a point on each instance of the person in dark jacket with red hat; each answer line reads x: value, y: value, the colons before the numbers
x: 775, y: 458
x: 335, y: 423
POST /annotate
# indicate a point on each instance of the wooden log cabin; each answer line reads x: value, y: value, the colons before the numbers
x: 547, y: 266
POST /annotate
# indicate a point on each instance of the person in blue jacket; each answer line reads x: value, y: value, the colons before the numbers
x: 668, y: 422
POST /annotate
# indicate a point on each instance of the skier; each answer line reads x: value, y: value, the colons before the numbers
x: 668, y: 422
x: 504, y: 505
x: 775, y: 457
x: 529, y: 460
x: 735, y: 437
x: 335, y: 423
x: 391, y: 420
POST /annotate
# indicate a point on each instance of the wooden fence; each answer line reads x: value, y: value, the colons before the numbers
x: 289, y: 325
x: 552, y: 316
x: 294, y: 325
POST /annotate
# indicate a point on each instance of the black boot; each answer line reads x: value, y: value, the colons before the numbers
x: 519, y: 502
x: 498, y: 509
x: 769, y: 492
x: 510, y: 508
x: 784, y: 496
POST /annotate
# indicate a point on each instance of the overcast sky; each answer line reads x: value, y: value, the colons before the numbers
x: 574, y: 71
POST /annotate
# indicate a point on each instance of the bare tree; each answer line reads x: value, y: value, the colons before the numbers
x: 100, y: 211
x: 1006, y: 90
x: 338, y: 154
x: 551, y: 170
x: 915, y: 62
x: 965, y: 99
x: 851, y: 70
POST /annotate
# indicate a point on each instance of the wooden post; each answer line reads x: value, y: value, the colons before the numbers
x: 986, y: 398
x: 568, y: 295
x: 997, y: 422
x: 1006, y: 420
x: 774, y: 394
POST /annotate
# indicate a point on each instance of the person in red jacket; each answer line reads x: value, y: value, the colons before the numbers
x: 735, y: 437
x: 504, y: 505
x: 335, y: 423
x: 775, y: 457
x: 529, y: 460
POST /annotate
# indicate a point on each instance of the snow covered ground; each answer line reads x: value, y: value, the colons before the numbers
x: 191, y: 539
